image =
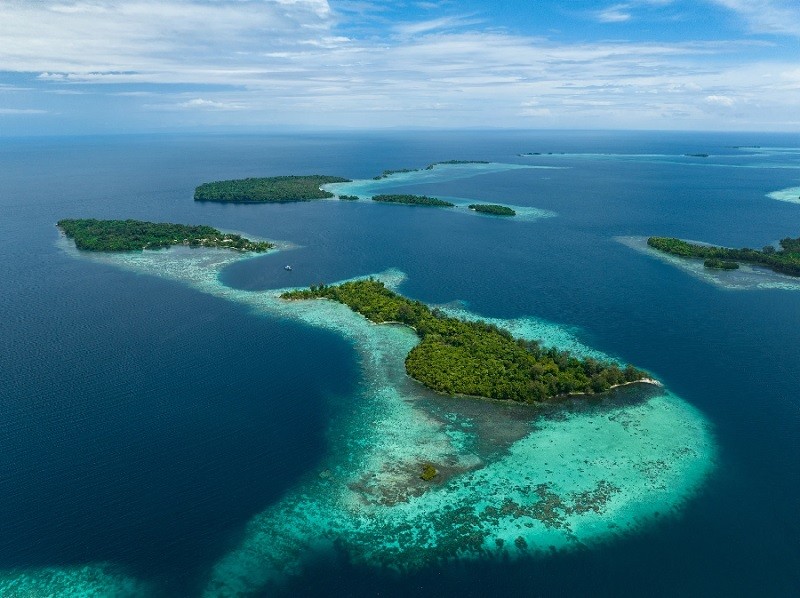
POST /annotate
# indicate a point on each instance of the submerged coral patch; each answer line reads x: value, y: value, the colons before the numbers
x: 88, y: 581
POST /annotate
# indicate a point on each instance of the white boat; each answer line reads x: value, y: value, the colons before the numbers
x: 287, y: 268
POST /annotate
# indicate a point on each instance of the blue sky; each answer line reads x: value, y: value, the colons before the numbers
x: 106, y: 66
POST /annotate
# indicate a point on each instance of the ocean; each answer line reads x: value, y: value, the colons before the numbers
x: 169, y: 428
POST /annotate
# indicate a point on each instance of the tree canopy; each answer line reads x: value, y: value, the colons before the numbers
x: 413, y: 200
x: 458, y: 357
x: 784, y: 261
x: 132, y: 235
x: 494, y: 209
x: 277, y: 189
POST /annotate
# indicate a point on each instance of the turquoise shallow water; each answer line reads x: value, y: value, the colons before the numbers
x: 571, y: 481
x: 89, y: 581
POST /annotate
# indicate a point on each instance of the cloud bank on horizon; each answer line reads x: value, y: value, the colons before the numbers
x: 70, y: 66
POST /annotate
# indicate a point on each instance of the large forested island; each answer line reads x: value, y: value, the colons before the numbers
x: 276, y: 189
x: 132, y: 235
x: 458, y: 357
x: 785, y: 260
x: 413, y: 200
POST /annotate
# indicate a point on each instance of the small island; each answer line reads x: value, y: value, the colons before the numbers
x: 388, y: 173
x: 785, y: 260
x: 455, y: 163
x: 348, y: 197
x: 493, y: 209
x: 457, y: 357
x: 137, y: 235
x: 413, y: 200
x: 277, y: 189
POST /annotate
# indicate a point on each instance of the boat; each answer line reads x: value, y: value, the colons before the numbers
x: 288, y: 268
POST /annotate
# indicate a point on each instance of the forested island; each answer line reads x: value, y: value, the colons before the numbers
x: 276, y: 189
x: 136, y: 235
x: 494, y: 209
x: 388, y: 173
x: 785, y: 260
x: 458, y: 357
x: 413, y: 200
x: 456, y: 162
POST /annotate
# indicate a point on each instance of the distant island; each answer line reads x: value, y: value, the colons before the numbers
x: 413, y: 200
x: 543, y: 154
x: 491, y: 208
x: 785, y: 260
x: 457, y: 357
x: 137, y: 235
x: 277, y: 189
x: 388, y: 173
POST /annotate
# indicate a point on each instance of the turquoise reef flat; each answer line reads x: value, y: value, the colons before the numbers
x: 790, y: 194
x: 567, y: 481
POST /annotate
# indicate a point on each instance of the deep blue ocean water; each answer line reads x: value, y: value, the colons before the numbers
x: 143, y: 423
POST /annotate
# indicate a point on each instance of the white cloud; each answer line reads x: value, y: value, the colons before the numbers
x: 287, y: 61
x: 55, y: 36
x: 724, y: 101
x: 203, y: 104
x: 21, y: 111
x: 51, y: 76
x: 5, y: 87
x: 443, y: 23
x: 767, y: 16
x: 66, y: 92
x: 614, y: 14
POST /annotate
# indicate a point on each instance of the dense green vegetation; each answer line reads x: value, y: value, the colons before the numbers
x: 475, y: 358
x: 348, y: 197
x: 716, y: 264
x: 431, y: 166
x: 131, y: 235
x: 785, y: 260
x: 413, y: 200
x: 277, y: 189
x: 543, y: 154
x: 388, y: 173
x: 494, y: 209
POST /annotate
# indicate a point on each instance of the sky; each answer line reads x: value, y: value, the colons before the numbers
x: 126, y: 66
